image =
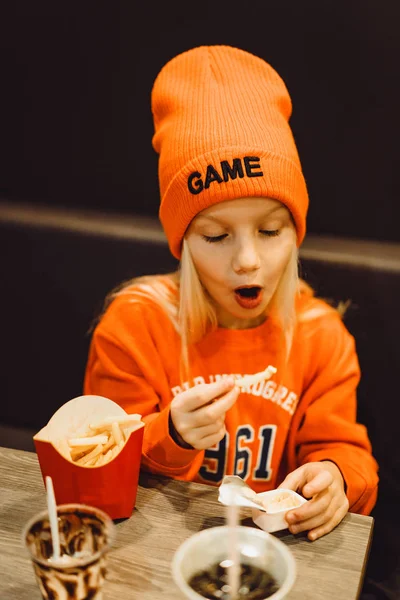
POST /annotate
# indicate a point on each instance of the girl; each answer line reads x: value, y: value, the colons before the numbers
x: 233, y: 207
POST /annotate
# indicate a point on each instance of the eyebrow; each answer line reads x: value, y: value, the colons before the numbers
x: 221, y: 220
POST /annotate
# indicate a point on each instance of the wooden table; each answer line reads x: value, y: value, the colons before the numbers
x: 166, y: 513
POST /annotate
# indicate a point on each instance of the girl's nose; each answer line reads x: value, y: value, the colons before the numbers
x: 246, y: 258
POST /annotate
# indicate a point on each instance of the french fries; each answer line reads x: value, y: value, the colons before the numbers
x: 87, y: 441
x: 247, y: 380
x: 102, y: 441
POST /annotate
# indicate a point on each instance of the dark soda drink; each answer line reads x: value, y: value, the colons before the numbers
x: 213, y: 583
x: 86, y: 534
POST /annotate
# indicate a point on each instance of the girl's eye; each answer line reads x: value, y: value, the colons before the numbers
x: 270, y: 232
x: 212, y: 239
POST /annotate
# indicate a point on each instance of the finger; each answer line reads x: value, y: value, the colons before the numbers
x: 211, y: 440
x: 216, y: 410
x: 318, y: 484
x: 314, y: 519
x: 317, y: 521
x: 196, y: 434
x: 196, y: 397
x: 294, y: 480
x: 308, y: 479
x: 327, y: 527
x: 319, y: 504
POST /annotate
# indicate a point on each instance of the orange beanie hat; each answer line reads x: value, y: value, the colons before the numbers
x: 221, y: 130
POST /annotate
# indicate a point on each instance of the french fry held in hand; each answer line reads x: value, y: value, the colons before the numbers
x: 247, y: 380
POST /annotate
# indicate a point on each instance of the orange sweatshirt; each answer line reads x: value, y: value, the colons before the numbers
x: 306, y: 412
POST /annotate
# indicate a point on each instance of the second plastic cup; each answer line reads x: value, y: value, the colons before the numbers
x: 86, y: 534
x: 207, y: 549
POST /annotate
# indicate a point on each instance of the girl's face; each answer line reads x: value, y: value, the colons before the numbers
x: 240, y: 249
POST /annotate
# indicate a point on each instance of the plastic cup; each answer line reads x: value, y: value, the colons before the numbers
x: 86, y: 534
x: 255, y: 547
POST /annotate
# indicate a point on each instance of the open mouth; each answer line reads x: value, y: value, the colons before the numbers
x: 248, y: 292
x: 248, y: 296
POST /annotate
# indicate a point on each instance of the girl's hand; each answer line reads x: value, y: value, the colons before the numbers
x: 324, y: 484
x: 198, y: 414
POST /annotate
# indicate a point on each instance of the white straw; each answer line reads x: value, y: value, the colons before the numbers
x: 234, y: 569
x: 52, y: 508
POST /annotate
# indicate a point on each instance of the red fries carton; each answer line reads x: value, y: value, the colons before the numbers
x: 91, y: 448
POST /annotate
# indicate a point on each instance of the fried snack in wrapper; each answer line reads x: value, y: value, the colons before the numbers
x: 78, y: 449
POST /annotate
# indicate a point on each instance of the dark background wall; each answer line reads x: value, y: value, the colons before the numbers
x: 76, y: 82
